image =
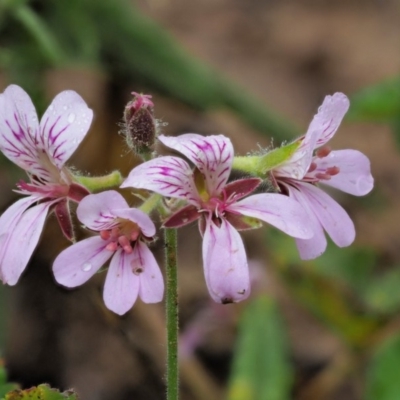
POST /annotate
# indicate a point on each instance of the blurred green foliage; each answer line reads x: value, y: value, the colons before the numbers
x: 261, y: 368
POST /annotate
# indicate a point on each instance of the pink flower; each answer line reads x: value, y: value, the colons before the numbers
x: 41, y: 150
x: 123, y: 234
x: 347, y: 170
x: 219, y: 206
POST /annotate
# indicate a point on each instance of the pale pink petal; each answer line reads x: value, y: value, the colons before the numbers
x: 63, y: 126
x: 278, y: 210
x: 22, y: 241
x: 151, y: 280
x: 314, y: 247
x: 144, y: 222
x: 297, y: 165
x: 78, y: 263
x: 11, y: 216
x: 225, y: 263
x: 19, y: 129
x: 355, y: 171
x: 329, y: 116
x: 96, y: 211
x: 330, y: 214
x: 212, y: 155
x: 122, y: 285
x: 168, y: 176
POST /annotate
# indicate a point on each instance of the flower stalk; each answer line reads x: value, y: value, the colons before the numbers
x: 170, y: 237
x: 96, y: 183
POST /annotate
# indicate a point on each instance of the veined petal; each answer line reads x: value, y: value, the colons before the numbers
x: 168, y: 176
x: 122, y: 285
x: 151, y: 280
x: 314, y: 247
x: 64, y: 125
x: 212, y: 155
x: 330, y: 214
x: 19, y: 130
x: 11, y: 216
x: 144, y: 222
x: 96, y: 211
x: 355, y: 171
x: 278, y: 210
x: 225, y: 263
x: 329, y: 116
x: 78, y: 263
x: 22, y: 242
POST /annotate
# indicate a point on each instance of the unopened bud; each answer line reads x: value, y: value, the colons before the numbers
x: 139, y: 123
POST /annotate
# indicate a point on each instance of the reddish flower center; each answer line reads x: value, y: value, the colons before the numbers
x: 124, y: 235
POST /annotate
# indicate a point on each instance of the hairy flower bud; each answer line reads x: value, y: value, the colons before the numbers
x: 140, y: 124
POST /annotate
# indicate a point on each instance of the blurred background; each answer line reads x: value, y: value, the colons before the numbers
x: 253, y: 70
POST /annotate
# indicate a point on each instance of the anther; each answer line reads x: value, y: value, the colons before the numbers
x: 105, y: 235
x: 112, y: 246
x: 323, y: 176
x: 323, y: 152
x: 332, y: 171
x: 313, y: 167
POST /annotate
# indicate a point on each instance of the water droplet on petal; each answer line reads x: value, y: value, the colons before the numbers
x: 86, y: 267
x: 71, y: 118
x: 51, y: 107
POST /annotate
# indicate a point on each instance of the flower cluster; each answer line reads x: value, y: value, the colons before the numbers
x: 198, y: 185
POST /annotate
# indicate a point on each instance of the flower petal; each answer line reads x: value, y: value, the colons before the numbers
x: 22, y: 242
x: 64, y: 125
x: 122, y: 285
x: 212, y: 155
x: 168, y: 176
x: 96, y: 211
x: 144, y: 222
x: 331, y: 215
x: 19, y: 130
x: 151, y: 280
x: 329, y: 116
x: 314, y: 247
x: 78, y: 263
x: 225, y: 263
x: 278, y: 210
x: 355, y: 171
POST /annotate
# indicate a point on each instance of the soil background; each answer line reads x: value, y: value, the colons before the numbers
x: 289, y: 54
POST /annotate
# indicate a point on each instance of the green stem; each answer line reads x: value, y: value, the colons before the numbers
x: 95, y: 183
x: 170, y: 238
x: 151, y: 203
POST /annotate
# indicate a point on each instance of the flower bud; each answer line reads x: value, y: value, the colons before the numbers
x: 139, y: 124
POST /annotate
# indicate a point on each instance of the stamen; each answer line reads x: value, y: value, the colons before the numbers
x: 323, y: 152
x: 332, y: 171
x: 134, y: 235
x: 321, y: 175
x: 105, y: 235
x: 112, y: 246
x: 313, y: 167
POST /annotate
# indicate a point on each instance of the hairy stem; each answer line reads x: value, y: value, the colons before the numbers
x: 170, y: 237
x: 95, y: 183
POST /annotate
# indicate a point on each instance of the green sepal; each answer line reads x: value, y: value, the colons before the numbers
x: 260, y: 165
x: 41, y: 392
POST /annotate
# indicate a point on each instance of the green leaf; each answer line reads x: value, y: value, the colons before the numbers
x: 383, y: 381
x: 5, y: 386
x: 41, y: 392
x: 380, y: 103
x: 261, y: 370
